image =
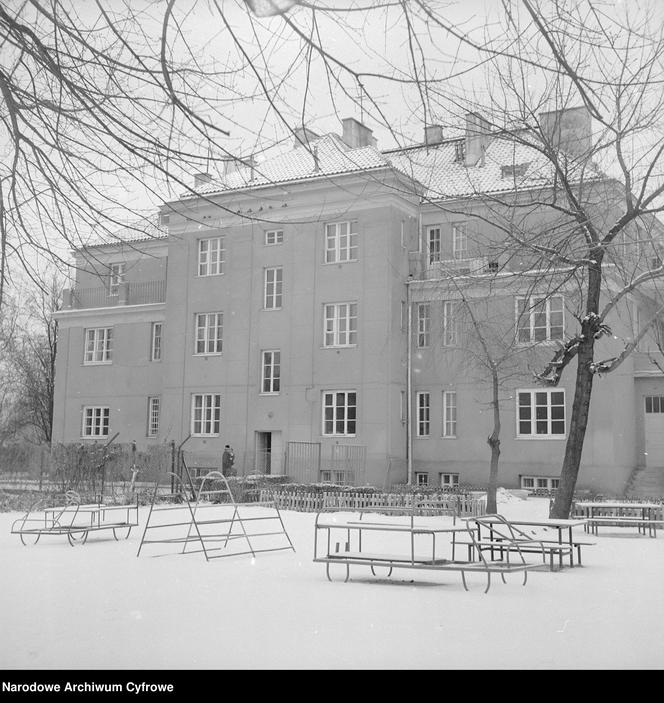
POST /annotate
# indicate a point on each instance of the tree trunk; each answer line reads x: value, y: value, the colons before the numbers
x: 582, y: 393
x: 494, y: 442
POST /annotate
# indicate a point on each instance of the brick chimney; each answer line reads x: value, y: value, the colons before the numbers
x: 567, y: 130
x: 433, y: 134
x: 355, y: 134
x: 201, y: 179
x: 477, y: 139
x: 302, y: 134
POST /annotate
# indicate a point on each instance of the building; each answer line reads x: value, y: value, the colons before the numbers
x: 303, y: 311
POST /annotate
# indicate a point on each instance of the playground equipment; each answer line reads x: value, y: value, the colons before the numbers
x: 75, y: 520
x: 209, y: 517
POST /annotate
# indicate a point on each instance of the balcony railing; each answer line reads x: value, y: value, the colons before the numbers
x: 459, y: 267
x: 131, y: 293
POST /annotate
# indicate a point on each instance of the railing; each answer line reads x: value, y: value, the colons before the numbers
x: 461, y: 267
x: 131, y: 293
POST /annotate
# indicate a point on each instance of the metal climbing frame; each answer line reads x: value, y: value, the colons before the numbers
x: 211, y: 516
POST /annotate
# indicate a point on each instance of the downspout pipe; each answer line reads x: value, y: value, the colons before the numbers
x: 409, y: 384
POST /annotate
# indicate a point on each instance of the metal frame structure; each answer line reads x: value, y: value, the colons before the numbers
x: 225, y: 515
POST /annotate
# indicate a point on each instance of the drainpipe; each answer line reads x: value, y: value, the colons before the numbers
x: 409, y: 364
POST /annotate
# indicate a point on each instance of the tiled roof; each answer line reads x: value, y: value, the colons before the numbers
x: 139, y: 231
x: 333, y: 157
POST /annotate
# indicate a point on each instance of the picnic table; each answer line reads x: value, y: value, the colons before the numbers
x: 491, y: 534
x: 643, y: 516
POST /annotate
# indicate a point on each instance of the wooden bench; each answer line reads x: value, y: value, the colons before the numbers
x: 643, y: 524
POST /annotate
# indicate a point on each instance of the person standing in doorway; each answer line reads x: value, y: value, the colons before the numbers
x: 227, y: 461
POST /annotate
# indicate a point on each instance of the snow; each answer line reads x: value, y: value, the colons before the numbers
x: 99, y: 606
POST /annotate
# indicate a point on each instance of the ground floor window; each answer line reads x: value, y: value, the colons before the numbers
x: 205, y: 414
x: 339, y: 413
x: 534, y: 482
x: 154, y: 405
x: 95, y: 421
x: 421, y: 478
x: 449, y: 480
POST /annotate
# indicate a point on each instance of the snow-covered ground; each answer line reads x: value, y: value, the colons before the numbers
x: 99, y: 606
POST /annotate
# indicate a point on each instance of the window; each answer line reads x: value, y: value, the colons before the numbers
x: 541, y: 413
x: 449, y: 414
x: 210, y: 256
x: 98, y: 345
x: 274, y: 236
x: 546, y: 482
x: 340, y: 324
x: 271, y: 371
x: 423, y: 414
x: 205, y: 414
x: 460, y: 151
x: 423, y: 324
x: 155, y: 342
x: 421, y: 478
x: 341, y: 242
x: 433, y: 244
x: 154, y: 405
x: 540, y: 319
x: 116, y: 279
x: 450, y: 336
x: 209, y: 332
x: 273, y: 289
x: 459, y: 241
x: 95, y: 421
x: 339, y: 412
x: 449, y: 480
x: 654, y: 404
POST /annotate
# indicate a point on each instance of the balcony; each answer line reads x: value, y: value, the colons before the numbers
x: 460, y: 267
x: 131, y: 293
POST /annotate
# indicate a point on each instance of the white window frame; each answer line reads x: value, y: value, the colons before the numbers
x: 154, y: 413
x: 96, y: 419
x: 209, y: 333
x: 116, y: 278
x: 155, y: 341
x: 434, y: 243
x: 208, y: 424
x: 540, y: 482
x: 341, y: 242
x: 274, y: 237
x: 450, y: 414
x: 423, y: 407
x: 448, y: 479
x: 533, y: 405
x: 348, y: 424
x: 421, y: 478
x: 450, y: 334
x: 270, y: 371
x: 460, y: 240
x: 98, y: 346
x: 340, y: 324
x: 528, y: 312
x: 211, y: 258
x: 273, y: 288
x: 423, y: 325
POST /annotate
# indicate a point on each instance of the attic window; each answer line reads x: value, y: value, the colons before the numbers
x: 513, y: 170
x: 459, y: 151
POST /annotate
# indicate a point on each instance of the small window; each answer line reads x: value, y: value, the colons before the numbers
x: 116, y: 279
x: 460, y: 151
x: 96, y: 421
x: 421, y: 478
x: 155, y: 342
x: 205, y: 414
x: 542, y: 483
x: 541, y: 413
x: 654, y: 404
x: 209, y: 333
x: 341, y: 242
x: 449, y: 414
x: 460, y: 240
x: 513, y: 170
x: 340, y: 322
x: 339, y: 413
x: 273, y: 288
x: 154, y: 405
x: 211, y: 256
x: 449, y: 480
x: 274, y: 236
x: 98, y: 345
x: 423, y: 324
x: 271, y: 371
x: 423, y: 414
x: 433, y: 244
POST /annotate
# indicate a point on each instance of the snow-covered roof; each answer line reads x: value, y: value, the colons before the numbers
x: 143, y: 230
